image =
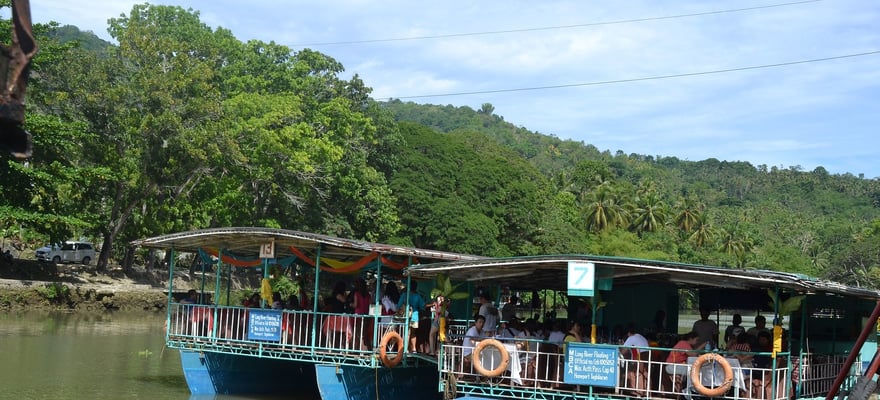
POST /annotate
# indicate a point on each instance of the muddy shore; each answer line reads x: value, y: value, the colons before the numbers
x: 31, y: 285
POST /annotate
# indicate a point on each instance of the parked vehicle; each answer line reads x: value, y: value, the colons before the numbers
x: 69, y: 252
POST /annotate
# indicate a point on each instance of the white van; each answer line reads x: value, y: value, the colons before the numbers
x: 69, y: 252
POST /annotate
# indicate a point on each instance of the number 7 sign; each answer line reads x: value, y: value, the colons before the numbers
x: 581, y: 278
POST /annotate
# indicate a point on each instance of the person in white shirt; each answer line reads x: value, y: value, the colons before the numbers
x: 633, y: 339
x: 490, y: 313
x: 707, y: 329
x: 472, y: 336
x: 636, y: 367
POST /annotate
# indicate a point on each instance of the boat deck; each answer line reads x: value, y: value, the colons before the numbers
x: 319, y: 338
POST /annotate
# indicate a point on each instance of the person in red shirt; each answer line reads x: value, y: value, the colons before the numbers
x: 677, y: 367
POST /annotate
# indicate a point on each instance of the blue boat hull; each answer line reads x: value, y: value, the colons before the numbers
x: 344, y: 382
x: 216, y: 373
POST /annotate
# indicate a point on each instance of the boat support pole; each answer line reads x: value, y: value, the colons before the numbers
x: 407, y: 314
x: 847, y: 365
x: 216, y: 298
x: 377, y: 313
x: 593, y: 326
x: 168, y: 308
x: 315, y: 296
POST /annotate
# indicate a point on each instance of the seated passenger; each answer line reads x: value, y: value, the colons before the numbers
x: 574, y: 334
x: 508, y: 330
x: 192, y: 297
x: 556, y: 335
x: 677, y: 367
x: 473, y: 335
x: 277, y: 304
x: 635, y: 348
x: 253, y: 301
x: 293, y: 303
x: 633, y: 339
x: 739, y: 345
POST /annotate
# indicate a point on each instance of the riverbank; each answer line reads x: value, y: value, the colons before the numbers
x: 32, y: 285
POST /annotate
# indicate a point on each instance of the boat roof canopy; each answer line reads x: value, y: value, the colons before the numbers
x: 550, y: 272
x: 246, y: 241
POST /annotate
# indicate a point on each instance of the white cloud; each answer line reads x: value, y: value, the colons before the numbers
x: 809, y: 114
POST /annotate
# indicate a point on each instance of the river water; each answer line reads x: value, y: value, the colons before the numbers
x: 51, y: 356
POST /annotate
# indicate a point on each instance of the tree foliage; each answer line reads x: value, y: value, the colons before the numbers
x: 182, y: 126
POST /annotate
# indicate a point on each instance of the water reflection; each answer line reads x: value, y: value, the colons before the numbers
x: 91, y: 356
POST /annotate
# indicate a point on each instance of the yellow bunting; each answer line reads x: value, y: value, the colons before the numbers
x: 777, y: 339
x: 266, y: 291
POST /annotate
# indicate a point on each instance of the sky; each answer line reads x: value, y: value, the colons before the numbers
x: 787, y: 84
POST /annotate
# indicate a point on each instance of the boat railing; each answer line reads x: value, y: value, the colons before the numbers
x: 818, y: 371
x: 537, y: 369
x: 302, y: 335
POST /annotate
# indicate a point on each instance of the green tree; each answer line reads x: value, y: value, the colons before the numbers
x: 604, y: 209
x: 688, y: 215
x: 650, y: 214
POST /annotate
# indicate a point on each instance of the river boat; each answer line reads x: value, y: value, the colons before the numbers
x: 231, y: 349
x: 823, y: 342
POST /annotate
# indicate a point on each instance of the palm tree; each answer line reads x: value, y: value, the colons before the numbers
x: 703, y: 232
x: 729, y: 243
x: 650, y: 214
x: 688, y: 218
x: 736, y: 242
x: 604, y: 211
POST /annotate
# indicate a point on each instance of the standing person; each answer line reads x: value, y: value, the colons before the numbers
x: 362, y: 298
x: 335, y: 303
x: 490, y: 313
x: 734, y: 330
x: 508, y: 311
x: 390, y: 299
x: 760, y: 326
x: 659, y: 323
x: 706, y: 328
x: 416, y: 304
x: 363, y: 329
x: 436, y: 314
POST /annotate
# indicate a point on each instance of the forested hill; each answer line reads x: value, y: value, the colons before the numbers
x: 186, y: 127
x: 711, y: 211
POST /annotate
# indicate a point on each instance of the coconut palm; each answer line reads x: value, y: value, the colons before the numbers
x: 650, y: 214
x: 688, y: 217
x: 604, y: 210
x: 703, y: 232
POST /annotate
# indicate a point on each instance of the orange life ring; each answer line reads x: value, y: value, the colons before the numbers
x: 695, y: 375
x: 499, y: 369
x: 383, y: 349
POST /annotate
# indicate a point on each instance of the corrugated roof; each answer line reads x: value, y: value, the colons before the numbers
x: 246, y: 241
x: 550, y: 272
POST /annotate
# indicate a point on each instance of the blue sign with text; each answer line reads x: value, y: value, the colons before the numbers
x: 264, y: 325
x: 587, y: 364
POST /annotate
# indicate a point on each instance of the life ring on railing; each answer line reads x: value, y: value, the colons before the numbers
x: 695, y: 375
x: 383, y: 349
x: 500, y: 368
